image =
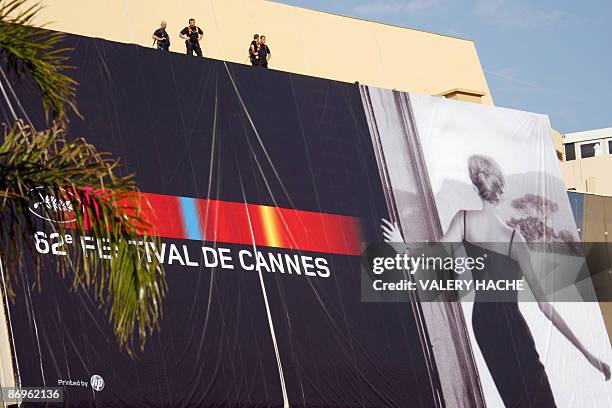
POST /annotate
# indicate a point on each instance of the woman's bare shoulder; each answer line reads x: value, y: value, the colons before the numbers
x: 498, y: 230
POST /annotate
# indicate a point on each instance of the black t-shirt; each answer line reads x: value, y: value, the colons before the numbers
x: 193, y: 33
x: 253, y: 49
x: 161, y: 33
x: 263, y: 52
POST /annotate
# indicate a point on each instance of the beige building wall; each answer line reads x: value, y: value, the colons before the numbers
x: 558, y: 143
x: 302, y: 41
x: 590, y: 175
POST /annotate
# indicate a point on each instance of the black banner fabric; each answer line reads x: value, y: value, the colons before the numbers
x: 198, y: 129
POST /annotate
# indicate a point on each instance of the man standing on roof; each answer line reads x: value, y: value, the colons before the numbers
x: 192, y: 35
x: 263, y: 52
x: 253, y: 50
x: 162, y: 38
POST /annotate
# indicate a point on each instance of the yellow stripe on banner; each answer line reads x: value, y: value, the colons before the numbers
x: 271, y: 226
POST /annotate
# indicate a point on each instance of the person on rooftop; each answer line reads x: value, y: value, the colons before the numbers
x: 253, y: 50
x: 161, y: 37
x: 192, y: 34
x: 263, y: 52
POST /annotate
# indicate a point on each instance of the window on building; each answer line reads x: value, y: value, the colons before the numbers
x: 610, y: 146
x: 570, y: 151
x: 587, y: 150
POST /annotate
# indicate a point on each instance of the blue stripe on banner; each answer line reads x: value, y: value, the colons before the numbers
x: 191, y: 221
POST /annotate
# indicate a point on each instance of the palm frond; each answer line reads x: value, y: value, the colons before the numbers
x: 130, y: 285
x: 29, y: 51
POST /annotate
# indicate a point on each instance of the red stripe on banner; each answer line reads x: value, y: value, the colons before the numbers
x: 252, y: 224
x: 320, y: 232
x: 224, y: 221
x: 279, y: 227
x: 239, y: 223
x: 164, y: 214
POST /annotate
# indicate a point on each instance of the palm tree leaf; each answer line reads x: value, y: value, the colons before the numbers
x: 129, y: 286
x: 26, y: 50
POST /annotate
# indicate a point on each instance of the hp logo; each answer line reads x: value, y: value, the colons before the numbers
x: 97, y: 382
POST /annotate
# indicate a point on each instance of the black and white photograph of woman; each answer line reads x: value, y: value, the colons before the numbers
x: 488, y: 178
x: 502, y: 334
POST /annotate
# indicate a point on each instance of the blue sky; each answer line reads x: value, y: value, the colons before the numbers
x: 544, y: 56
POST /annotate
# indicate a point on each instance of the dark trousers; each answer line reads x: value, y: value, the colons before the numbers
x: 256, y: 62
x: 193, y: 46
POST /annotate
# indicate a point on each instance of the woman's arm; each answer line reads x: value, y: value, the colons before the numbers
x: 521, y: 253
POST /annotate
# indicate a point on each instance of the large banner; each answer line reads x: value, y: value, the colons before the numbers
x: 266, y: 188
x: 488, y: 178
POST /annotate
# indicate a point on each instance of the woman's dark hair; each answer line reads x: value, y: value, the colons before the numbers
x: 487, y: 177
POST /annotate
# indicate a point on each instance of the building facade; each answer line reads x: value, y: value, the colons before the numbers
x: 302, y: 41
x: 323, y: 45
x: 587, y: 161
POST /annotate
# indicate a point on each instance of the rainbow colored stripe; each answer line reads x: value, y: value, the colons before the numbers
x: 251, y: 224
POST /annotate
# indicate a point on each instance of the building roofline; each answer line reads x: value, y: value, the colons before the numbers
x: 588, y: 193
x: 585, y: 135
x: 369, y: 21
x: 462, y: 91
